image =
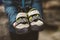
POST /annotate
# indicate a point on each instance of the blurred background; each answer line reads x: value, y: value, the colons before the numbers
x: 51, y: 16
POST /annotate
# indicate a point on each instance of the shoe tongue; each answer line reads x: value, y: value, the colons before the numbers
x: 34, y: 12
x: 21, y: 14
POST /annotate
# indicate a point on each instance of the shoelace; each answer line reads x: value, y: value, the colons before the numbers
x: 34, y: 18
x: 22, y: 20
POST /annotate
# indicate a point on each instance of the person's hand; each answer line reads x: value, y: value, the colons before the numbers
x: 14, y: 24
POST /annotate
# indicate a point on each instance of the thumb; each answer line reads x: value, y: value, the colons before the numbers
x: 14, y: 24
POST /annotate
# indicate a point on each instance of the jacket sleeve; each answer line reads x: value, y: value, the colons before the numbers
x: 10, y: 10
x: 37, y: 4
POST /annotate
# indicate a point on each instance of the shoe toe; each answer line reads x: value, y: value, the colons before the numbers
x: 35, y: 28
x: 22, y: 31
x: 22, y: 28
x: 36, y: 25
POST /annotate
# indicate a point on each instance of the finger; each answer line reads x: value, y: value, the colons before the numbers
x: 14, y: 24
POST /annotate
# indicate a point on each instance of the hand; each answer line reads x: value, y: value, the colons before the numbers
x: 14, y: 24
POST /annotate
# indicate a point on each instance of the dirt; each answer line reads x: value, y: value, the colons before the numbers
x: 49, y: 35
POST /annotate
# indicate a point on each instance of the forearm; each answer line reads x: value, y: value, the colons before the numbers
x: 10, y: 10
x: 38, y: 5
